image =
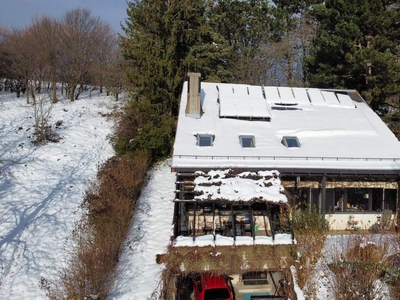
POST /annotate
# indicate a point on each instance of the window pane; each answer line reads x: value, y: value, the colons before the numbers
x: 292, y: 142
x: 247, y: 142
x: 339, y: 200
x: 390, y: 199
x: 357, y: 199
x: 205, y: 141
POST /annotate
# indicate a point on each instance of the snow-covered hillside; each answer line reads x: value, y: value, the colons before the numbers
x: 42, y: 187
x: 138, y: 273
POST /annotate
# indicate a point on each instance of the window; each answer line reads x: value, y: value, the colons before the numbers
x: 205, y: 140
x: 247, y: 141
x: 255, y: 278
x: 358, y: 199
x: 291, y: 141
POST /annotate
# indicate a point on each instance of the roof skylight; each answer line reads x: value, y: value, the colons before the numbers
x: 205, y: 140
x: 247, y: 141
x: 291, y: 141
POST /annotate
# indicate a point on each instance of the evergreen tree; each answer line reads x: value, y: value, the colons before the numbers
x: 357, y: 48
x: 164, y: 40
x: 246, y: 26
x: 293, y: 32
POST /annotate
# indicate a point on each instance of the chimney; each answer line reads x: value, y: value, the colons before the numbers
x: 193, y: 106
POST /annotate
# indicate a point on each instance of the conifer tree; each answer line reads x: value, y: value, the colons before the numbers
x: 163, y: 41
x: 246, y: 26
x: 293, y: 32
x: 357, y: 48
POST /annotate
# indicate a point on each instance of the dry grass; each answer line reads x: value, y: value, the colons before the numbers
x: 310, y: 230
x: 98, y: 237
x: 309, y: 246
x: 393, y: 271
x: 360, y: 268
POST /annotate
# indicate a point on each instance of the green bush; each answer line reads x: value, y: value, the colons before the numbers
x: 142, y: 127
x: 309, y: 220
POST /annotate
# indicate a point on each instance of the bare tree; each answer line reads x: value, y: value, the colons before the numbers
x: 113, y: 76
x: 104, y: 56
x: 45, y: 34
x: 82, y: 46
x: 42, y: 112
x: 19, y: 47
x: 4, y: 59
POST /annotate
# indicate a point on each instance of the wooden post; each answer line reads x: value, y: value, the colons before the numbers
x: 253, y: 234
x: 233, y: 224
x: 265, y: 225
x: 271, y: 222
x: 370, y: 199
x: 194, y: 221
x: 213, y: 220
x: 323, y: 194
x: 397, y: 206
x: 383, y: 199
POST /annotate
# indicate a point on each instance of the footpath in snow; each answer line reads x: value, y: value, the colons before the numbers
x: 138, y: 273
x: 42, y: 187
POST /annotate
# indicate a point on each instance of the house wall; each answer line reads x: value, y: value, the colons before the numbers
x: 348, y: 221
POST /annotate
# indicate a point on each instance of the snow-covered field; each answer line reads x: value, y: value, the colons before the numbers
x: 42, y: 187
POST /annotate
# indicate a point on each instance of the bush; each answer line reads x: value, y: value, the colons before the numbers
x: 359, y: 270
x: 142, y: 127
x: 309, y: 220
x: 310, y: 229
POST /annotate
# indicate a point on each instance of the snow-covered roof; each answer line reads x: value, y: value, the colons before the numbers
x: 336, y: 130
x: 242, y: 101
x: 246, y: 186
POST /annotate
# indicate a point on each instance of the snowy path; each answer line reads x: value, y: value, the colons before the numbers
x: 41, y: 188
x: 138, y: 273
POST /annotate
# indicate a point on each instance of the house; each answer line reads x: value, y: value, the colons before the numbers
x: 244, y: 154
x: 331, y: 150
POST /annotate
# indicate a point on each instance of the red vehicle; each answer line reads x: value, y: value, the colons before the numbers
x: 209, y: 287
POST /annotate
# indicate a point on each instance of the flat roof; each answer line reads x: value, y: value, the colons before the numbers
x: 334, y: 131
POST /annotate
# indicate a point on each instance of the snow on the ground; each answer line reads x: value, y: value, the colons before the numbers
x: 297, y: 290
x: 138, y: 273
x: 42, y: 187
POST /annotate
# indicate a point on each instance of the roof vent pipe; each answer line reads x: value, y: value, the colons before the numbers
x: 193, y: 106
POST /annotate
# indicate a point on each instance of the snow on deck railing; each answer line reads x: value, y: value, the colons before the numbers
x: 315, y: 158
